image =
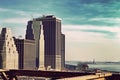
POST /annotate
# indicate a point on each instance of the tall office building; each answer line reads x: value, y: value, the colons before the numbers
x: 33, y: 33
x: 42, y: 50
x: 52, y: 39
x: 63, y: 51
x: 29, y: 31
x: 27, y: 53
x: 8, y: 51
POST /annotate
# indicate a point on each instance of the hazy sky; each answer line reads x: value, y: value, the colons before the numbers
x: 92, y: 27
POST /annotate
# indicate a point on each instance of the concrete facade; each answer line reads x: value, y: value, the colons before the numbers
x: 37, y: 30
x: 63, y: 51
x: 27, y: 56
x: 8, y: 51
x: 52, y: 35
x: 42, y: 51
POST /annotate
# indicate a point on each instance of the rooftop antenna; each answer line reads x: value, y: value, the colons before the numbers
x: 93, y: 61
x: 19, y: 37
x: 43, y: 15
x: 31, y: 16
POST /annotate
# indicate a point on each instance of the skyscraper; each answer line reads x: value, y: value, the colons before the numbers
x: 52, y: 36
x: 29, y: 31
x: 27, y: 53
x: 63, y: 51
x: 33, y: 32
x: 42, y: 50
x: 8, y: 51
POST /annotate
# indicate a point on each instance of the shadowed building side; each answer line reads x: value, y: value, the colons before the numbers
x: 29, y: 31
x: 27, y: 53
x: 63, y: 51
x: 1, y: 51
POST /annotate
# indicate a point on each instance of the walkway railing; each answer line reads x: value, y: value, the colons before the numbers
x: 13, y: 74
x: 10, y: 74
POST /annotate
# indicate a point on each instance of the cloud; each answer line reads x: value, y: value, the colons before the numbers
x: 11, y: 11
x: 16, y: 20
x: 90, y: 33
x: 107, y: 51
x: 106, y: 33
x: 92, y: 45
x: 27, y: 14
x: 3, y: 10
x: 20, y: 12
x: 19, y: 16
x: 92, y: 21
x: 93, y: 12
x: 76, y: 12
x: 110, y: 20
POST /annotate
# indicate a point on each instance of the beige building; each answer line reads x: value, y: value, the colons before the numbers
x: 37, y: 30
x: 8, y: 51
x: 41, y: 50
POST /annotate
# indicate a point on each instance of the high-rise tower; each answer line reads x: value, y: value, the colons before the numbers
x: 8, y: 51
x: 41, y: 50
x: 27, y: 53
x: 52, y: 39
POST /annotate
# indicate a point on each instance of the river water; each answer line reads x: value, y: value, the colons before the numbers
x: 103, y: 66
x: 108, y: 67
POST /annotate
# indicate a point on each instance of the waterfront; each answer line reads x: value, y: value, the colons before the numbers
x: 107, y: 66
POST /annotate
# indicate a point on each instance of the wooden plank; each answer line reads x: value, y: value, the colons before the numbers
x: 4, y: 76
x: 47, y: 74
x: 100, y: 76
x: 2, y: 70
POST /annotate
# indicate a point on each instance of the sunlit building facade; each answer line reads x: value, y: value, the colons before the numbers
x: 8, y: 51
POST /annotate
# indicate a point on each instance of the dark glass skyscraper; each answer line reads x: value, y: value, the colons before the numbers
x: 29, y: 31
x: 53, y: 39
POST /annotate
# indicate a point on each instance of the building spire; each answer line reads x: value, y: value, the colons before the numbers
x: 41, y: 52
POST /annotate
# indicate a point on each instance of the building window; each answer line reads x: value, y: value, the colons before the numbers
x: 10, y: 39
x: 7, y: 43
x: 12, y: 45
x: 6, y: 35
x: 9, y: 50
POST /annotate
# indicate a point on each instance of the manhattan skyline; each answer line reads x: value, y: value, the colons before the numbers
x: 92, y: 27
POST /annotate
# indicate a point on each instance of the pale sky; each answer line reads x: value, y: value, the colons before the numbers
x: 92, y: 27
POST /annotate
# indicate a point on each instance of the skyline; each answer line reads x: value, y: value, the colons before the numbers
x: 92, y: 27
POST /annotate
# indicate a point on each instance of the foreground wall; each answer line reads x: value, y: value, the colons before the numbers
x: 114, y: 77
